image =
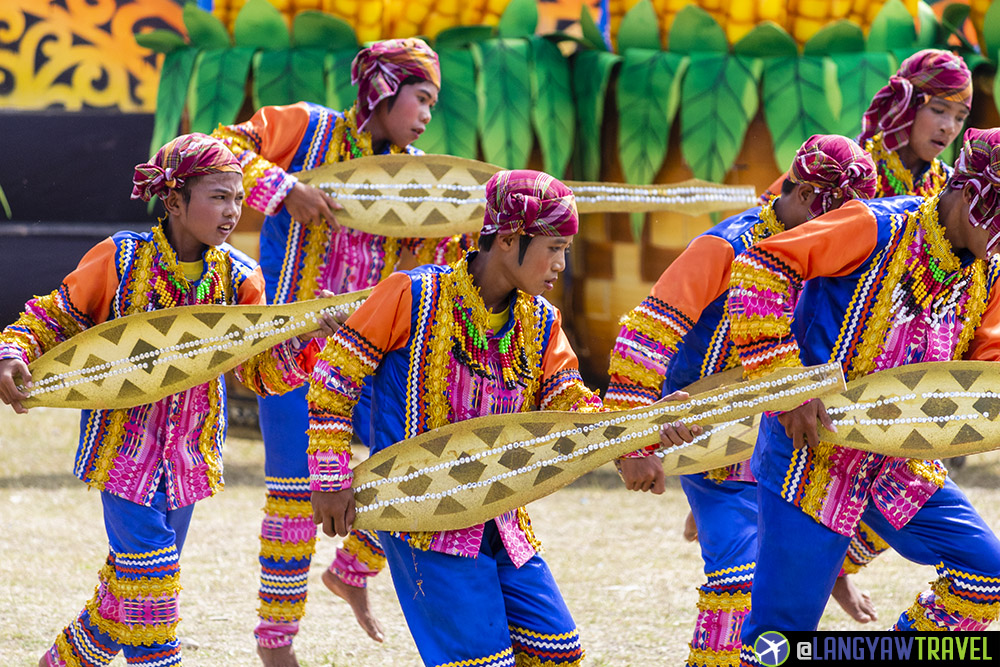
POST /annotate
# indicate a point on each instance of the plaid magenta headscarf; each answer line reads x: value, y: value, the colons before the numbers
x: 530, y: 202
x: 836, y: 167
x: 186, y: 156
x: 925, y: 74
x: 378, y: 70
x: 978, y: 165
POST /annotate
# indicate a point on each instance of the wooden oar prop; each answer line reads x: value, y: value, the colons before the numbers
x: 466, y: 473
x: 933, y: 410
x: 439, y: 195
x: 144, y: 357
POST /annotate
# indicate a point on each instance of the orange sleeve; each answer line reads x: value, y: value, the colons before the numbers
x: 92, y: 284
x: 384, y: 318
x: 985, y: 343
x: 251, y: 292
x: 562, y: 388
x: 833, y: 244
x: 699, y: 276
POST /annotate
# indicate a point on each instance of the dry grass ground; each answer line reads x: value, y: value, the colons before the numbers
x: 625, y: 571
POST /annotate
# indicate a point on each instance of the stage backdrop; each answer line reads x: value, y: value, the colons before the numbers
x: 635, y: 90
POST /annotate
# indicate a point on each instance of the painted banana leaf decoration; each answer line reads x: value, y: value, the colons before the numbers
x: 552, y: 105
x: 591, y: 75
x: 288, y: 76
x: 503, y: 88
x: 506, y: 89
x: 860, y: 76
x: 648, y: 95
x: 175, y: 75
x: 720, y: 99
x: 217, y: 89
x: 340, y: 92
x: 453, y: 128
x: 801, y: 98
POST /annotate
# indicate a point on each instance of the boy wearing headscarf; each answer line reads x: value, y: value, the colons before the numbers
x: 439, y: 345
x: 302, y: 249
x: 680, y: 334
x: 884, y: 283
x: 151, y: 463
x: 911, y: 120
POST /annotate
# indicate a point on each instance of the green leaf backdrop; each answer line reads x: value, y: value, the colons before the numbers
x: 507, y: 91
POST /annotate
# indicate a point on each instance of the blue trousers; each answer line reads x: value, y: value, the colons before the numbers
x: 726, y: 516
x: 288, y: 534
x: 134, y: 610
x: 481, y: 611
x: 798, y: 561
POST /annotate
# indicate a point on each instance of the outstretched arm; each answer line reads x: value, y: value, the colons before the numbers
x: 265, y: 146
x: 761, y: 289
x: 354, y: 352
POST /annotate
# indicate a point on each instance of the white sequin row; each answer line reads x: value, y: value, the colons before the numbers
x: 192, y: 348
x: 615, y: 194
x: 625, y: 417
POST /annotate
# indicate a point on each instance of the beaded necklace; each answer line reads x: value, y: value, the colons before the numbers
x: 349, y: 142
x: 770, y: 225
x: 895, y: 179
x: 929, y: 272
x: 470, y: 341
x: 171, y: 288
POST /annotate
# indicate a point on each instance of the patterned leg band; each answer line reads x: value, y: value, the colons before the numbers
x: 957, y: 601
x: 81, y: 645
x: 287, y: 543
x: 535, y: 649
x: 723, y: 605
x: 864, y: 548
x: 136, y: 601
x: 748, y: 658
x: 358, y: 559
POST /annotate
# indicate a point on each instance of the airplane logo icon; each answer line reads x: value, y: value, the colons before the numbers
x: 772, y: 648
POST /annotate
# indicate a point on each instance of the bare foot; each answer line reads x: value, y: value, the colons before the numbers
x: 690, y: 528
x: 358, y: 599
x: 858, y: 604
x: 283, y: 656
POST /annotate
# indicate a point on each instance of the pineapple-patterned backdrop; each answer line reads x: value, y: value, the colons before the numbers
x: 635, y: 90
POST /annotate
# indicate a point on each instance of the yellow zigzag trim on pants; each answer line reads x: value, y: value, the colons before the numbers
x: 723, y: 601
x: 700, y: 657
x: 539, y: 635
x: 282, y: 611
x: 478, y: 661
x: 953, y: 604
x: 66, y: 652
x: 968, y: 575
x: 275, y: 549
x: 730, y: 570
